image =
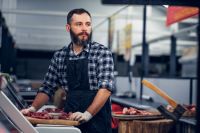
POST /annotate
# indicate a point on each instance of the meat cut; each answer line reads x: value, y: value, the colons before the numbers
x: 49, y: 113
x: 134, y: 111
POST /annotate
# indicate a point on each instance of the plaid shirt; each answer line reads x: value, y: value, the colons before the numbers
x: 100, y: 69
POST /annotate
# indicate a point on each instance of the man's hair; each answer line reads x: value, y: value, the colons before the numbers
x: 76, y: 11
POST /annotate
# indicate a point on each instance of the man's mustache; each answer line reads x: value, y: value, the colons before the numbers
x: 83, y: 33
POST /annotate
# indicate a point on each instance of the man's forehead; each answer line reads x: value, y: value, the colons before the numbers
x: 81, y: 17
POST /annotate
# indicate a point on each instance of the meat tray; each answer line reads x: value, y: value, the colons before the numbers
x: 154, y: 116
x: 52, y: 121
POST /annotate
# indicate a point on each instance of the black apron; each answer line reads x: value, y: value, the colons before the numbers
x: 79, y: 96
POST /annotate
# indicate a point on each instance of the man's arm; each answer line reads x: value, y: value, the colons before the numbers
x: 105, y: 83
x: 99, y: 101
x: 47, y: 89
x: 40, y: 100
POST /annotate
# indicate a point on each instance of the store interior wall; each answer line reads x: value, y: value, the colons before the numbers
x: 38, y: 27
x: 41, y: 24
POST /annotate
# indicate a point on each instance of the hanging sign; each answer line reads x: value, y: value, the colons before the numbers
x: 178, y: 13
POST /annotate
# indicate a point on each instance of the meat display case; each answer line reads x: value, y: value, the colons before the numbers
x: 15, y: 118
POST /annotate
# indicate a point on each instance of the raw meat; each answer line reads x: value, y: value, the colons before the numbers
x: 134, y: 111
x: 48, y: 114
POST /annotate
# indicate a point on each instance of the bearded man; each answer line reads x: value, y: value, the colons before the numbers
x: 84, y: 69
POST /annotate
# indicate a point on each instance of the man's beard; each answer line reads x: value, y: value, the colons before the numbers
x: 76, y: 40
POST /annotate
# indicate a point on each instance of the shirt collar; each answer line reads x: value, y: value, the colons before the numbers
x: 87, y: 48
x: 84, y: 49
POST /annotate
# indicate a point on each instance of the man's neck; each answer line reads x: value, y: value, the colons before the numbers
x: 77, y: 48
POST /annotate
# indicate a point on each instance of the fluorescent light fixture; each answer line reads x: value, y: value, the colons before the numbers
x: 166, y: 6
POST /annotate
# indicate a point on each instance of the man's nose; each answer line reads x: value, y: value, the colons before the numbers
x: 84, y: 28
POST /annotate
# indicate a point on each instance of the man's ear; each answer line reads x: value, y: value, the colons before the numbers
x: 67, y: 27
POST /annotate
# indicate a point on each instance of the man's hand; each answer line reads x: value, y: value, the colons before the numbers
x: 81, y: 117
x: 27, y: 110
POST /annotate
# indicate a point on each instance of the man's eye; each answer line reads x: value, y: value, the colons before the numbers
x: 88, y: 24
x: 78, y: 24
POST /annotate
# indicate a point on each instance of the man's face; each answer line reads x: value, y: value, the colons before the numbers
x: 80, y: 29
